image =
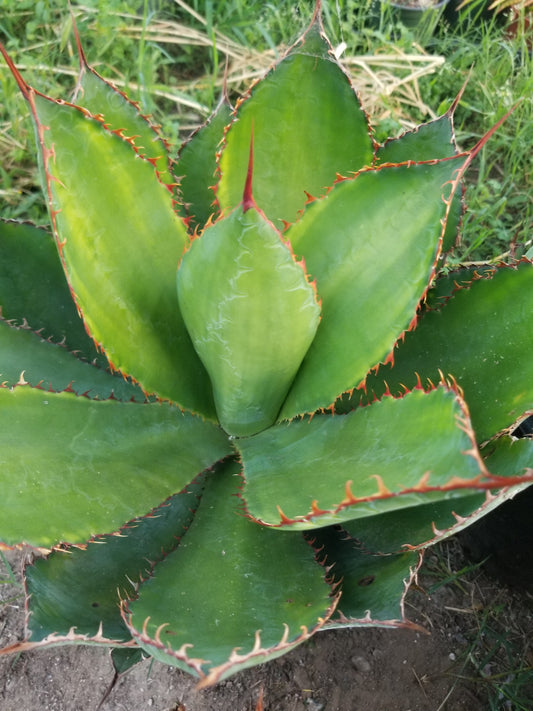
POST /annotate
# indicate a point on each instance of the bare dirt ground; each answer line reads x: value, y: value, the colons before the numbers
x: 479, y: 642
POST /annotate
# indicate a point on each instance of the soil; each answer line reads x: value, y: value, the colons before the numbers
x: 479, y: 638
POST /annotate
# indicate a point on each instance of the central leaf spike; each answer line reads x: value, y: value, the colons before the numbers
x: 253, y: 320
x: 247, y: 197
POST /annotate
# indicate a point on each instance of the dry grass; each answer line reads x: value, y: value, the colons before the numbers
x: 387, y: 82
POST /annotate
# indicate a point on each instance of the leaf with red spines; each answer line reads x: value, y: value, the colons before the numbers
x: 394, y: 455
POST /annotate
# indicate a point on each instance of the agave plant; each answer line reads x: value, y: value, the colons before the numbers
x: 216, y: 465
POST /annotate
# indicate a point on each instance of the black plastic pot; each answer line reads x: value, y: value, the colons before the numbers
x: 421, y: 20
x: 503, y: 539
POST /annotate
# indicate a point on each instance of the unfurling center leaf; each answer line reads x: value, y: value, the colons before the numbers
x: 251, y: 314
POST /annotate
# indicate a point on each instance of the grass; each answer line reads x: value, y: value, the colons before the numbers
x: 170, y: 58
x: 495, y: 658
x: 9, y: 579
x: 499, y: 191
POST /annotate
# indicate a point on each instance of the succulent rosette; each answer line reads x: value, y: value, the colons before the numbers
x: 240, y: 392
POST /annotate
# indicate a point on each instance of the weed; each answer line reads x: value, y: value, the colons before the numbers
x: 494, y: 657
x: 9, y: 579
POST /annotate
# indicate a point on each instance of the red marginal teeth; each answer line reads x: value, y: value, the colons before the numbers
x: 284, y: 520
x: 316, y: 510
x: 382, y: 489
x: 423, y: 483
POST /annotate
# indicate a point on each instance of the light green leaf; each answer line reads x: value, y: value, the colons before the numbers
x: 99, y: 96
x: 372, y: 252
x: 253, y: 319
x: 120, y: 242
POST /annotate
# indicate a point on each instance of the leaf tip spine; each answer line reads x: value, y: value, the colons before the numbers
x: 248, y: 201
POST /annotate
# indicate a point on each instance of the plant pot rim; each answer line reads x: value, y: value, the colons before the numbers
x: 417, y: 8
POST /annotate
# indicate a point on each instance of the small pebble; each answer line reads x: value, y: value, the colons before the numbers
x: 360, y: 664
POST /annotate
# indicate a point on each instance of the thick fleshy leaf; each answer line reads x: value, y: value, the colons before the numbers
x: 120, y: 114
x: 483, y: 337
x: 214, y: 629
x: 82, y: 588
x: 508, y: 456
x: 422, y: 526
x: 435, y: 139
x: 414, y: 526
x: 372, y: 587
x: 120, y: 254
x: 395, y: 454
x: 253, y: 319
x: 28, y: 255
x: 92, y: 465
x: 372, y: 253
x: 429, y: 141
x: 124, y: 658
x: 308, y: 126
x: 197, y: 164
x: 26, y: 358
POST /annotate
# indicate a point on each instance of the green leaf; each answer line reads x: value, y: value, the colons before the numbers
x: 241, y: 614
x: 416, y: 526
x: 308, y: 126
x: 372, y: 252
x: 372, y: 587
x: 125, y: 658
x: 424, y: 525
x: 435, y: 139
x: 253, y: 319
x: 82, y: 588
x: 483, y: 337
x: 508, y: 456
x: 71, y: 467
x: 197, y: 167
x: 428, y: 141
x: 395, y: 454
x: 28, y: 255
x: 26, y: 358
x: 120, y: 242
x: 120, y: 114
